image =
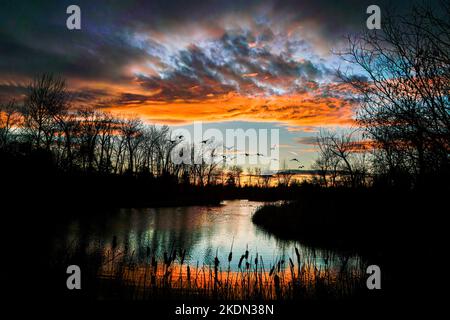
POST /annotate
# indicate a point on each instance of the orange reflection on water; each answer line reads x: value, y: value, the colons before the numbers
x: 281, y: 281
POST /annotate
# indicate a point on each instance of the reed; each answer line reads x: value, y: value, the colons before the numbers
x: 121, y: 274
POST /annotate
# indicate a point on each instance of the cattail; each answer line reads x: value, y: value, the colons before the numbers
x: 216, y: 262
x: 271, y: 271
x: 230, y: 255
x: 166, y: 258
x: 276, y: 281
x: 154, y: 263
x: 247, y: 265
x: 256, y: 261
x: 188, y: 273
x: 174, y: 255
x: 240, y: 261
x: 291, y: 263
x: 148, y: 252
x: 183, y: 255
x: 246, y: 254
x: 298, y: 256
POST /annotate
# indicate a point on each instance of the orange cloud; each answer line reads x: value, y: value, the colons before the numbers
x: 327, y: 105
x: 250, y: 75
x: 293, y: 110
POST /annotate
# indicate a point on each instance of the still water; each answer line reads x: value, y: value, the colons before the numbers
x: 203, y: 231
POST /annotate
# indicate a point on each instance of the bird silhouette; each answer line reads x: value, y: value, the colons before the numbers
x: 246, y: 154
x: 260, y: 155
x: 301, y: 167
x: 181, y: 153
x: 180, y: 137
x: 295, y: 159
x: 205, y: 141
x: 229, y: 148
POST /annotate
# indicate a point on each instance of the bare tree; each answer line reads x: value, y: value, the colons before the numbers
x: 249, y: 174
x: 257, y: 172
x: 131, y: 130
x: 234, y: 175
x: 404, y: 90
x: 47, y: 98
x: 339, y: 155
x: 266, y: 178
x: 68, y: 133
x: 107, y: 127
x: 213, y: 163
x: 284, y: 176
x: 9, y: 120
x: 90, y: 126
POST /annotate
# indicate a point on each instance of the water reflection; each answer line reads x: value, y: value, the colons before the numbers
x: 202, y: 231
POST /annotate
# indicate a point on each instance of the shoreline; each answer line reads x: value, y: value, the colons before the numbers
x: 366, y: 222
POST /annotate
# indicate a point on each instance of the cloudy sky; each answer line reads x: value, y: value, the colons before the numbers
x: 230, y: 64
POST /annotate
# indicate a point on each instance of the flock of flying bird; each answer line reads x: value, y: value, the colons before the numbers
x: 224, y: 157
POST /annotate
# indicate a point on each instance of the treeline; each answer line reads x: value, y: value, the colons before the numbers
x: 402, y: 88
x: 47, y: 129
x: 92, y: 141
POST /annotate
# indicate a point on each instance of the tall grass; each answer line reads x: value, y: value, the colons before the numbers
x: 117, y: 273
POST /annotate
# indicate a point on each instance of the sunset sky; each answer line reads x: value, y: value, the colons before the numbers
x: 231, y: 64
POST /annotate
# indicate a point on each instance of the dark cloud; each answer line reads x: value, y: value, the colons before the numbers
x: 252, y: 54
x: 231, y: 64
x: 34, y: 39
x: 132, y: 98
x: 309, y: 140
x: 87, y: 95
x: 11, y: 91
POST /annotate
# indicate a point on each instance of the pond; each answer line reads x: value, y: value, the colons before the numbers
x: 203, y: 231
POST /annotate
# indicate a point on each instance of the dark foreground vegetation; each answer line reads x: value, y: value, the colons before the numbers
x: 35, y: 177
x: 122, y: 274
x: 368, y: 221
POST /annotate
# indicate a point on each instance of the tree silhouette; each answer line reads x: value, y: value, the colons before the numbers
x: 404, y: 91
